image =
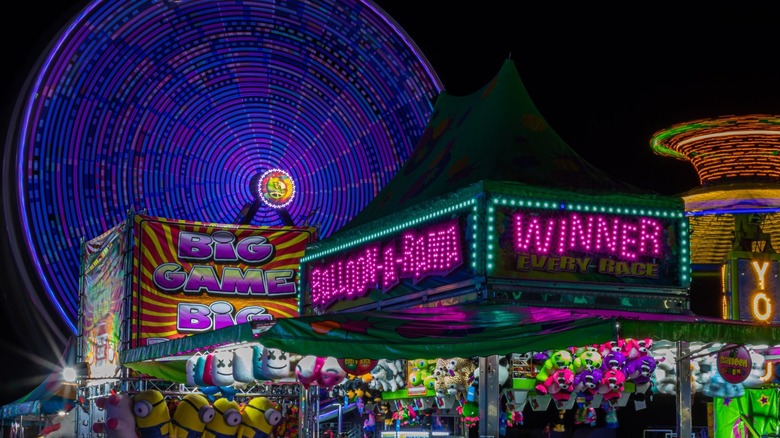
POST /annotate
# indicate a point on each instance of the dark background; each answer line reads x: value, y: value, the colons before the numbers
x: 605, y: 79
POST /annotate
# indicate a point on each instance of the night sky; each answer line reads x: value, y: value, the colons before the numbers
x: 605, y: 80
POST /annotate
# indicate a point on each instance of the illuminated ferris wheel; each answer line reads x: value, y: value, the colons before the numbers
x: 179, y: 108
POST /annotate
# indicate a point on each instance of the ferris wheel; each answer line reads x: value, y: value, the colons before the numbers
x: 180, y: 108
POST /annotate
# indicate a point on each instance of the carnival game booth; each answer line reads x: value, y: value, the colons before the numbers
x: 520, y: 249
x: 493, y: 207
x: 359, y: 340
x: 151, y: 280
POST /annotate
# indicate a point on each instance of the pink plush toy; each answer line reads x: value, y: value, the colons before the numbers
x: 331, y: 373
x: 559, y: 385
x: 638, y: 348
x: 612, y: 384
x: 119, y: 419
x: 610, y: 346
x: 308, y: 370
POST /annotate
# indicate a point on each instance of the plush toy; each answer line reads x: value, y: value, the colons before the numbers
x: 612, y: 384
x: 152, y: 418
x: 243, y: 364
x: 462, y: 371
x: 665, y: 377
x: 384, y: 412
x: 609, y: 347
x: 308, y: 370
x: 757, y: 371
x: 222, y: 368
x: 208, y: 374
x: 440, y: 369
x: 191, y: 416
x: 226, y: 421
x: 579, y: 350
x: 369, y: 425
x: 558, y: 360
x: 559, y: 385
x: 637, y: 347
x: 614, y: 360
x: 585, y: 415
x: 470, y: 413
x: 589, y: 359
x: 194, y: 370
x: 587, y: 382
x: 288, y: 427
x: 718, y: 387
x: 258, y: 418
x: 707, y: 366
x: 388, y: 375
x: 417, y: 378
x: 640, y: 370
x: 119, y: 420
x: 331, y: 374
x: 278, y: 364
x: 439, y: 372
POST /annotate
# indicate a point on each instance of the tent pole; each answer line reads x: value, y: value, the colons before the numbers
x: 684, y: 393
x: 488, y: 396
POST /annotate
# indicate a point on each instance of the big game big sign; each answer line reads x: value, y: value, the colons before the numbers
x: 191, y: 277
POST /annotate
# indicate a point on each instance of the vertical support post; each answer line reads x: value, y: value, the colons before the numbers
x: 684, y: 392
x: 341, y: 420
x: 488, y: 396
x: 303, y: 413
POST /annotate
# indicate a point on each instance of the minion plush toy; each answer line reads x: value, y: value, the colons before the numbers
x: 226, y: 421
x: 191, y: 416
x: 152, y: 418
x: 258, y: 418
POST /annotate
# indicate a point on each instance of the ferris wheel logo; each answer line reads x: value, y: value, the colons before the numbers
x: 276, y: 188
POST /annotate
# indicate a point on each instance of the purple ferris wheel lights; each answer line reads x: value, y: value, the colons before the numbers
x: 171, y: 107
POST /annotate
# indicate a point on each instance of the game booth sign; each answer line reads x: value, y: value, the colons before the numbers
x: 150, y: 280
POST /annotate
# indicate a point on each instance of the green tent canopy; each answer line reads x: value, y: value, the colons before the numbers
x: 494, y: 135
x: 432, y: 332
x: 51, y: 396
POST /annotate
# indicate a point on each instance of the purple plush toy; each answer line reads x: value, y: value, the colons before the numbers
x: 640, y: 370
x: 614, y: 360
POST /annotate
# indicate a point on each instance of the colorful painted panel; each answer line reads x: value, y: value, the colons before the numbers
x: 102, y: 303
x: 192, y: 277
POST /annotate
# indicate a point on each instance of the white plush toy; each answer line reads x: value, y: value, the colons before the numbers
x: 388, y: 375
x: 242, y: 365
x: 222, y: 368
x: 278, y: 364
x: 119, y: 420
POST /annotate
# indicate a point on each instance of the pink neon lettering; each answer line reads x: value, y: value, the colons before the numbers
x: 626, y: 238
x: 432, y: 251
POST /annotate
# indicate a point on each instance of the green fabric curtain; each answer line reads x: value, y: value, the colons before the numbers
x: 170, y: 370
x: 432, y: 333
x: 691, y: 328
x: 755, y: 412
